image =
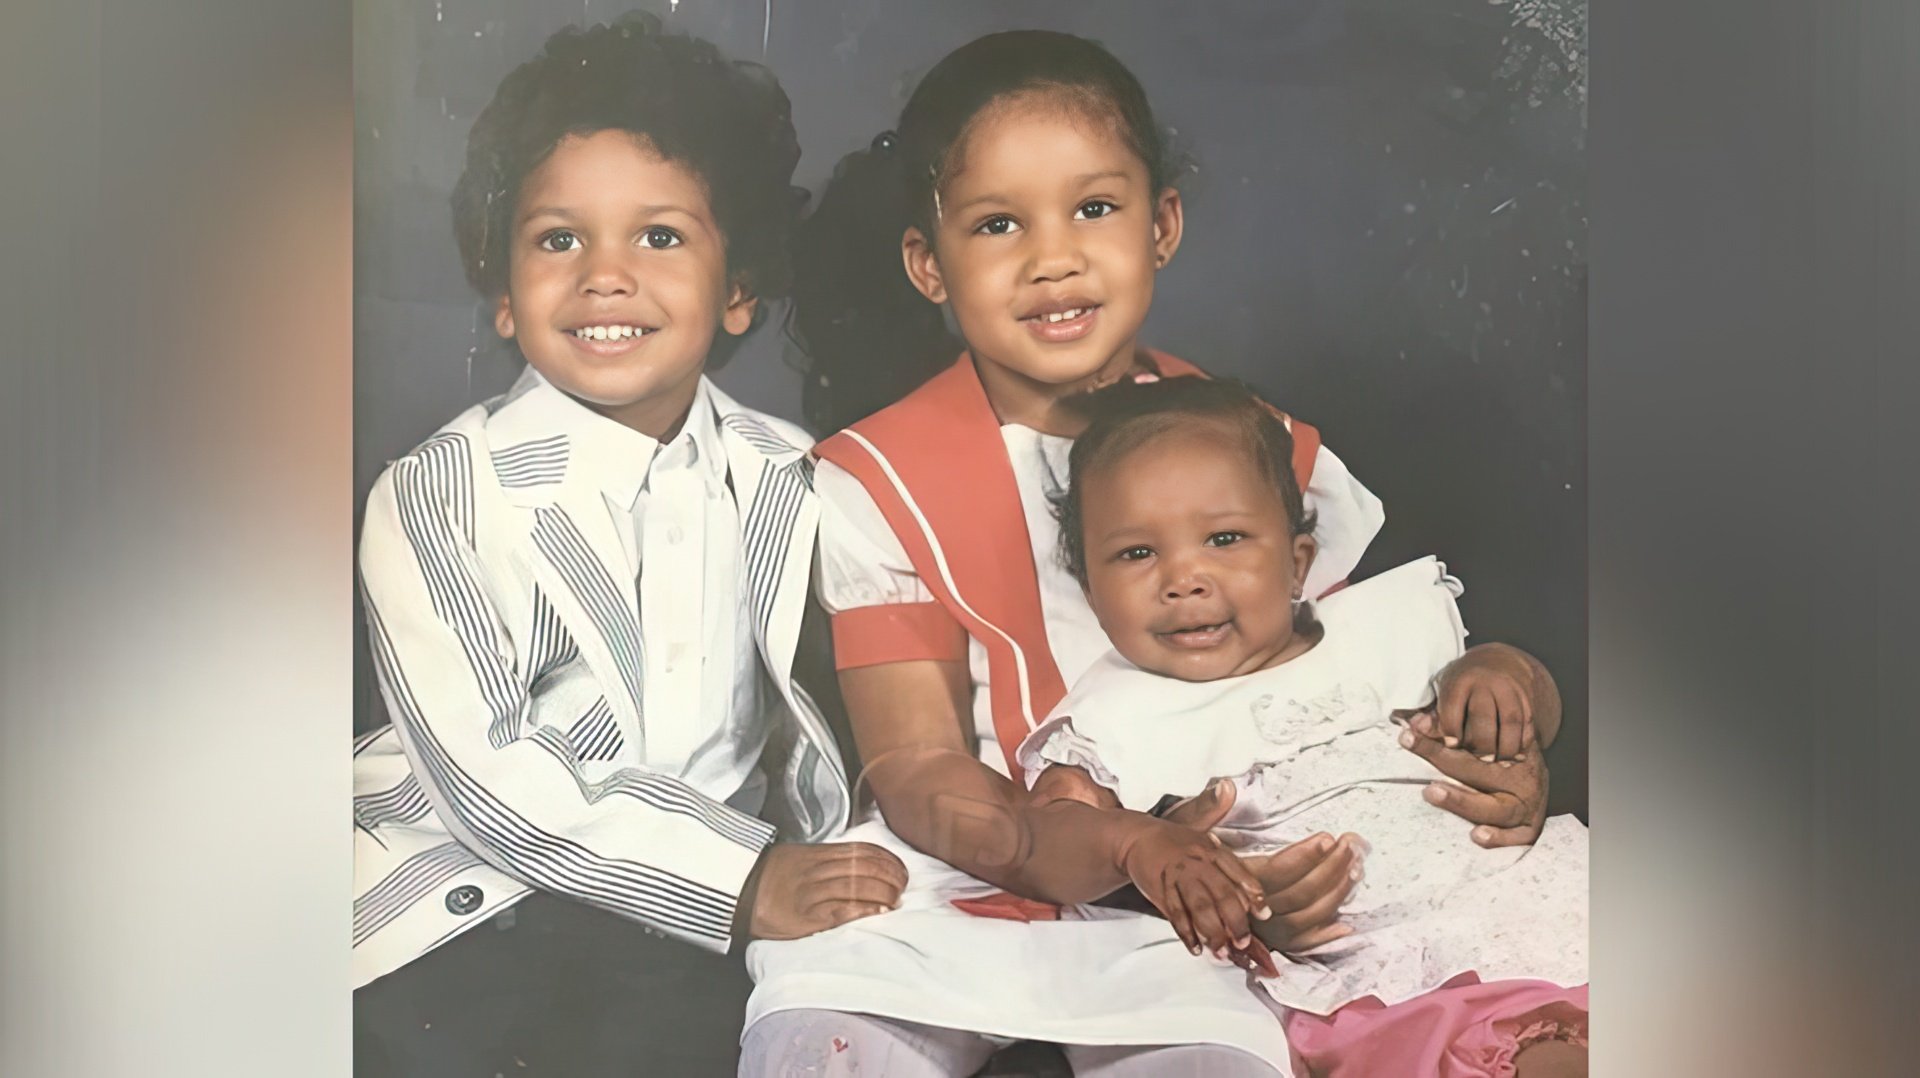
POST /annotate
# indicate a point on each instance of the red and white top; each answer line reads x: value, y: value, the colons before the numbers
x: 938, y: 541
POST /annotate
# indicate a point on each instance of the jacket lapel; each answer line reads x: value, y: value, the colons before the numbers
x: 580, y: 566
x: 576, y: 554
x: 772, y: 479
x: 773, y: 488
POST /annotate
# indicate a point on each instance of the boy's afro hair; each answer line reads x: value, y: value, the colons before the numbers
x: 728, y: 122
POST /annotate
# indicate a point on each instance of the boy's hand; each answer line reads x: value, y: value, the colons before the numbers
x: 1484, y: 703
x: 1202, y: 888
x: 806, y: 888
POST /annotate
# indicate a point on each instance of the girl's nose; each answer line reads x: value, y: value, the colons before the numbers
x: 1186, y: 586
x: 1056, y: 254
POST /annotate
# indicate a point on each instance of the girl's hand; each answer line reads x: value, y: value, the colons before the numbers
x: 1507, y: 799
x: 1484, y: 702
x: 1205, y: 892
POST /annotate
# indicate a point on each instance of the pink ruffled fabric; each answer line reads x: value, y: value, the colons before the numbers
x: 1463, y: 1029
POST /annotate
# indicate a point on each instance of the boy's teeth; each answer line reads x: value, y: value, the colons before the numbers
x: 608, y: 333
x: 1062, y: 316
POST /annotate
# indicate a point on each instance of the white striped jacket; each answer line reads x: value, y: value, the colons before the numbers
x: 487, y: 565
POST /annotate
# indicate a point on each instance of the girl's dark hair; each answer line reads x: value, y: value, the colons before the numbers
x: 728, y: 122
x: 870, y: 338
x: 1126, y: 416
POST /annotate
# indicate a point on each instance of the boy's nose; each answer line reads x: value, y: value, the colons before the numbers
x: 607, y: 276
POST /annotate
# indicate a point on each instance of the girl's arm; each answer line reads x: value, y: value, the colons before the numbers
x: 1065, y: 842
x: 909, y: 724
x: 1068, y: 841
x: 1209, y: 896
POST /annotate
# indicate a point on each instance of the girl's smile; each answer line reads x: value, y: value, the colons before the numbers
x: 1060, y: 321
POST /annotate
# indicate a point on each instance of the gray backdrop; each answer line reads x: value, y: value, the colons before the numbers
x: 1386, y: 233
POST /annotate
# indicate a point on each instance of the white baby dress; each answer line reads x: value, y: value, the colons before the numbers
x: 1314, y: 745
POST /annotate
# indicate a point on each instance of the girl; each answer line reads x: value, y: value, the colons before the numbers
x: 1028, y: 191
x: 1189, y: 533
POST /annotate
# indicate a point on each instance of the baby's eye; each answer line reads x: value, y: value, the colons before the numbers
x: 997, y: 225
x: 1135, y: 553
x: 559, y: 241
x: 1094, y: 210
x: 1225, y: 538
x: 659, y: 238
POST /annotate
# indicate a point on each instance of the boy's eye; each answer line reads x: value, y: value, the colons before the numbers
x: 997, y: 225
x: 1094, y: 210
x: 1225, y: 538
x: 559, y: 240
x: 659, y: 238
x: 1135, y: 553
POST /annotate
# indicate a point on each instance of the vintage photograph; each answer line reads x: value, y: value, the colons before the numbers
x: 924, y: 538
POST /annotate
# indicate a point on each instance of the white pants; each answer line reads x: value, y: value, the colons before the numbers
x: 834, y: 1044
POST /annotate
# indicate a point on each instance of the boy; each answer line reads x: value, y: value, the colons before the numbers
x: 585, y: 602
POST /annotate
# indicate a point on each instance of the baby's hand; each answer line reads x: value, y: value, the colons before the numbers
x: 1306, y: 884
x: 1203, y: 889
x: 1483, y: 704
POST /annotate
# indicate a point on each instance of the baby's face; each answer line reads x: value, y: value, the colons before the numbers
x: 1191, y: 563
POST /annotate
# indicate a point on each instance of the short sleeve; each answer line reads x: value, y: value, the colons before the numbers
x: 1350, y: 516
x: 882, y: 612
x: 1399, y: 629
x: 1430, y: 634
x: 1057, y: 742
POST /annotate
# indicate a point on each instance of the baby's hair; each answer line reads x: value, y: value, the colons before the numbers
x: 869, y: 338
x: 1126, y: 416
x: 728, y: 122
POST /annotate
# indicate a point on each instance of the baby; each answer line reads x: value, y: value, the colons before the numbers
x: 1186, y: 527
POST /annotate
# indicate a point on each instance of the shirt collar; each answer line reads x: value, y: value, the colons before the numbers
x: 602, y: 452
x: 702, y: 433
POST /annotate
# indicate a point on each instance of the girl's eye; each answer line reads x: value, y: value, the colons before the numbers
x: 1095, y: 210
x: 659, y: 239
x: 997, y: 225
x: 1135, y: 553
x: 559, y: 241
x: 1225, y: 538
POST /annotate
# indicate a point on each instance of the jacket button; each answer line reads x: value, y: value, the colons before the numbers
x: 464, y: 899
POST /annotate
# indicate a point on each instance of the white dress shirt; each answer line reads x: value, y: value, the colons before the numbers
x: 679, y: 527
